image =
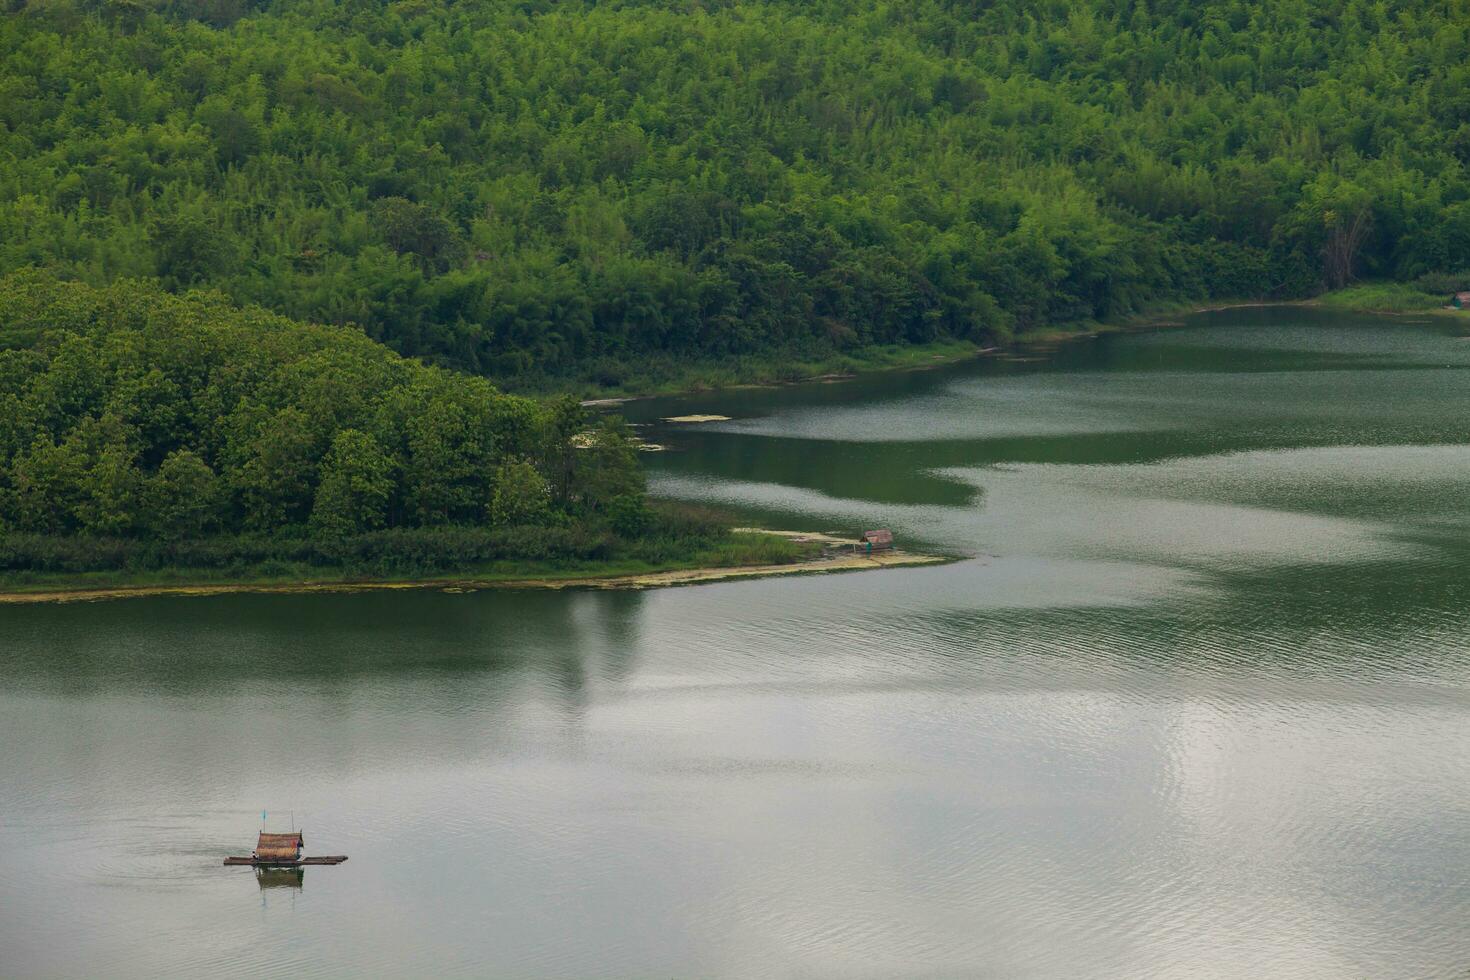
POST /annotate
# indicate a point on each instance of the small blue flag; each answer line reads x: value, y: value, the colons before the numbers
x: 262, y: 816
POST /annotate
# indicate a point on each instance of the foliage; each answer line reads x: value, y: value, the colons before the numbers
x: 537, y: 191
x: 1390, y: 297
x: 630, y: 515
x: 130, y: 413
x: 355, y: 486
x: 184, y: 498
x: 677, y: 537
x: 522, y: 496
x: 608, y: 469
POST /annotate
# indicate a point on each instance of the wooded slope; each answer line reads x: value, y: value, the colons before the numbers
x: 543, y: 190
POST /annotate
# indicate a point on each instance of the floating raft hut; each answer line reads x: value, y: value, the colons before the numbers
x: 282, y: 851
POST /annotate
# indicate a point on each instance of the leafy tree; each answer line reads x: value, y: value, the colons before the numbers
x: 47, y: 485
x: 610, y: 470
x: 448, y: 452
x: 235, y: 135
x: 111, y: 491
x: 274, y: 481
x: 522, y: 496
x: 357, y: 481
x: 416, y: 230
x: 630, y: 515
x: 190, y: 248
x: 183, y: 498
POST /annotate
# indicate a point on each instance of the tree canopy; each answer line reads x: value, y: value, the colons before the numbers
x: 130, y: 412
x: 534, y: 188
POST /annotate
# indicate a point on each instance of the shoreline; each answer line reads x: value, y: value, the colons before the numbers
x: 1163, y: 317
x: 927, y: 357
x: 922, y: 357
x: 841, y: 368
x: 828, y: 561
x: 834, y: 369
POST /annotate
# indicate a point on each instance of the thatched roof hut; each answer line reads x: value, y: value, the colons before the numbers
x: 278, y: 847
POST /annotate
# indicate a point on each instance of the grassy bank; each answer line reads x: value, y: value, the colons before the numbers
x: 683, y: 538
x: 1390, y: 297
x: 819, y: 563
x: 310, y: 579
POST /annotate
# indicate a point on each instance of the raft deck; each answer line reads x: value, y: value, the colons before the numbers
x: 259, y: 863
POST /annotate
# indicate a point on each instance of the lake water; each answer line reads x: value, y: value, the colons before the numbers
x: 1197, y: 702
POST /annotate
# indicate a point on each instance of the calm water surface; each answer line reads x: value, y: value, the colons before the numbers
x: 1197, y: 703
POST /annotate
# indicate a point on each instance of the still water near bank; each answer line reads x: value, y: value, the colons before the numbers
x: 1198, y: 702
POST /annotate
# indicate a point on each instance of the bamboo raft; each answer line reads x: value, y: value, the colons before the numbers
x: 281, y: 851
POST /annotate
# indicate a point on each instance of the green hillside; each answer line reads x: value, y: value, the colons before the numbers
x: 546, y: 191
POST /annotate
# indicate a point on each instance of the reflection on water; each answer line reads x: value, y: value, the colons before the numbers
x: 280, y: 877
x: 1199, y: 704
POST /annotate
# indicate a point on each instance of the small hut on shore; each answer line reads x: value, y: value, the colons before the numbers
x: 1461, y: 300
x: 878, y: 540
x: 285, y: 848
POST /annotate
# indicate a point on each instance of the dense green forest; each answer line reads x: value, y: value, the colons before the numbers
x: 140, y: 429
x: 537, y: 191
